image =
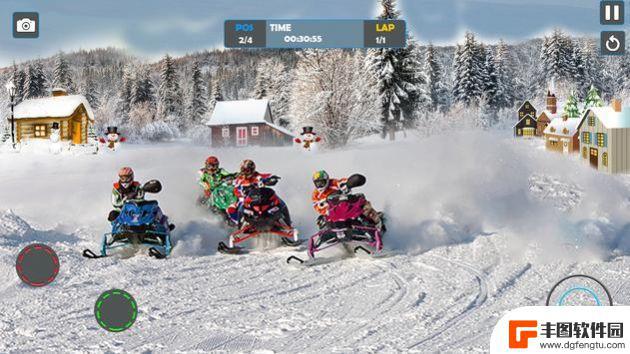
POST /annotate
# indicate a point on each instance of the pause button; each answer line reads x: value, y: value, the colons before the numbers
x: 612, y: 13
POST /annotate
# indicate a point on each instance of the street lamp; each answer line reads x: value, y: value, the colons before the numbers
x: 11, y: 90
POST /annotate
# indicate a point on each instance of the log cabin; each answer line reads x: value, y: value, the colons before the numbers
x: 34, y: 118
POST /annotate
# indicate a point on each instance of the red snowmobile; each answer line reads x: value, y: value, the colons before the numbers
x: 262, y: 213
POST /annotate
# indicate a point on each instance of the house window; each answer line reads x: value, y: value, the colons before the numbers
x: 591, y: 120
x: 605, y: 159
x: 601, y: 139
x: 586, y: 138
x: 521, y: 114
x: 40, y: 130
x: 527, y: 106
x: 254, y: 131
x: 528, y: 122
x: 529, y: 132
x: 225, y: 132
x: 552, y: 129
x: 584, y: 153
x: 565, y: 131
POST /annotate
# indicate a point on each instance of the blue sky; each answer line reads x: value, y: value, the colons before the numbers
x: 153, y: 27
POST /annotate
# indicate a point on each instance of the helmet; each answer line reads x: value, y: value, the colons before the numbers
x: 248, y: 167
x: 321, y: 180
x: 125, y: 175
x: 212, y: 163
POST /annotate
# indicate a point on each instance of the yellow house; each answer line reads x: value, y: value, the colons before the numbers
x: 34, y: 118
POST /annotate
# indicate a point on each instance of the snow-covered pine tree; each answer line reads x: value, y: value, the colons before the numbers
x: 197, y: 106
x: 506, y: 77
x: 593, y: 99
x: 169, y: 94
x: 580, y: 75
x: 141, y: 90
x: 412, y: 73
x: 124, y: 93
x: 556, y: 55
x: 18, y: 77
x: 433, y: 70
x: 88, y: 88
x: 34, y: 82
x: 61, y: 74
x: 217, y: 94
x: 571, y: 108
x: 261, y: 87
x: 491, y: 84
x: 469, y: 71
x: 387, y: 64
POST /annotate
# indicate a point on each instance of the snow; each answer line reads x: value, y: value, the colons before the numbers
x: 611, y: 119
x: 55, y: 107
x: 239, y: 112
x: 559, y: 124
x: 476, y: 228
x: 281, y: 129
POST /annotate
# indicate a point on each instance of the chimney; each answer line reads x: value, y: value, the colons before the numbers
x: 616, y: 105
x: 552, y: 106
x: 56, y: 92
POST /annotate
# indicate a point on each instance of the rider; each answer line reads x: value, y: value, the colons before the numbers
x: 125, y: 189
x: 245, y: 180
x: 326, y: 186
x: 211, y: 176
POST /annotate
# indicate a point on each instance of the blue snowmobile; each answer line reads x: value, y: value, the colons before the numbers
x: 140, y: 222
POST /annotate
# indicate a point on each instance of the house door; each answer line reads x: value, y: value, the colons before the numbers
x: 594, y: 158
x: 565, y: 147
x: 241, y: 136
x: 76, y: 133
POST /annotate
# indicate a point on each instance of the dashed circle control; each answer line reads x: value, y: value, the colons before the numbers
x: 115, y: 310
x: 37, y: 265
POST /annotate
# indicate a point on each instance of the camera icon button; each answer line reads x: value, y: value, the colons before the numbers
x: 25, y: 25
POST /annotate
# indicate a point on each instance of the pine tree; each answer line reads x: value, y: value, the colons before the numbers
x: 197, y: 105
x: 169, y: 95
x: 141, y: 90
x: 392, y: 69
x: 88, y: 88
x: 491, y: 84
x: 412, y: 73
x: 571, y: 107
x: 34, y: 82
x: 556, y: 55
x: 261, y: 86
x: 469, y: 71
x: 18, y: 77
x: 61, y: 74
x: 593, y: 99
x: 436, y: 90
x: 217, y: 94
x: 579, y: 73
x: 506, y: 83
x: 124, y: 92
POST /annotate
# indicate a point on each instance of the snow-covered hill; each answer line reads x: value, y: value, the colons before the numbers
x: 479, y: 224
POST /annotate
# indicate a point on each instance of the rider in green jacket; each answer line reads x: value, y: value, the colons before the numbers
x: 211, y: 176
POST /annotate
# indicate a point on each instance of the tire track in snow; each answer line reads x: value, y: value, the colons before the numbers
x: 482, y: 295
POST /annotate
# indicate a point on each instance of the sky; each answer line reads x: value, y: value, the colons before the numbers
x: 150, y: 28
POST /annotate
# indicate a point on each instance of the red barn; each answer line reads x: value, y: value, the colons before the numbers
x: 246, y: 123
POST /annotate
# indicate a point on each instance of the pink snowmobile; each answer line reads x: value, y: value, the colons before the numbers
x: 346, y: 225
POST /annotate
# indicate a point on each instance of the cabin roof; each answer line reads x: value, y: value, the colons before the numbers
x: 239, y: 112
x: 52, y: 107
x: 611, y: 119
x: 560, y: 124
x: 525, y: 117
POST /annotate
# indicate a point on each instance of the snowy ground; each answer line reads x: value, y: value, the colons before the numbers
x: 479, y: 224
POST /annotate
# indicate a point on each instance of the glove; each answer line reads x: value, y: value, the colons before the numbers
x: 344, y: 187
x: 272, y: 181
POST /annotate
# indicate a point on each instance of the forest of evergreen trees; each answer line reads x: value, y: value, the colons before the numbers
x: 344, y: 94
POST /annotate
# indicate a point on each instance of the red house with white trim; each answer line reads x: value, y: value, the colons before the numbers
x: 246, y: 123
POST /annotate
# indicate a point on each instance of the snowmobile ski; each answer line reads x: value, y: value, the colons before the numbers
x: 362, y: 250
x: 88, y: 253
x: 156, y: 253
x: 225, y: 249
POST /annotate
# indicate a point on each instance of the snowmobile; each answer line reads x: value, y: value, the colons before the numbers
x: 140, y: 222
x: 221, y: 198
x: 346, y: 225
x: 262, y: 213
